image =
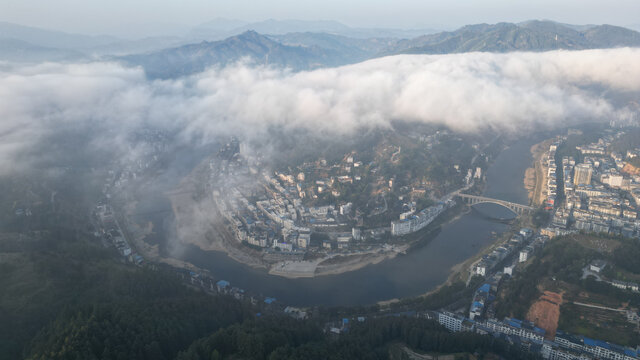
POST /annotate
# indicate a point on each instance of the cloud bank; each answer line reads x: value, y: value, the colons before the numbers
x: 466, y: 92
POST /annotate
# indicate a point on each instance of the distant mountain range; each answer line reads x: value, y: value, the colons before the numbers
x: 309, y: 50
x: 299, y: 45
x: 527, y: 36
x: 219, y: 29
x: 298, y: 51
x: 260, y: 49
x: 22, y: 51
x: 50, y: 38
x: 29, y: 44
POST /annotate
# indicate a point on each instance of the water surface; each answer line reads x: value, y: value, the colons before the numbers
x: 417, y: 272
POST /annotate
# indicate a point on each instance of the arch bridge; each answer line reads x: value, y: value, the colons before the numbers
x: 518, y: 209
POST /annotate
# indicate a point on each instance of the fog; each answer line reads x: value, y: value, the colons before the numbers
x: 43, y: 104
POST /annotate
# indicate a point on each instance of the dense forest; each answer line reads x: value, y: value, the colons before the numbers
x: 67, y: 297
x: 275, y: 338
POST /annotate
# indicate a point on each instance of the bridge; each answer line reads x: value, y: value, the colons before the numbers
x: 518, y: 209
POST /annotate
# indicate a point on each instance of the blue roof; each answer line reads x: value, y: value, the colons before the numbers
x: 593, y: 342
x: 269, y: 300
x: 539, y: 330
x: 515, y: 323
x: 223, y: 283
x: 630, y: 352
x: 485, y: 288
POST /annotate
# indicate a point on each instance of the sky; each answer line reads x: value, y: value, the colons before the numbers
x: 172, y: 17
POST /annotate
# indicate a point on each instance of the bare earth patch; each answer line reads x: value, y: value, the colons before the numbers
x: 545, y: 313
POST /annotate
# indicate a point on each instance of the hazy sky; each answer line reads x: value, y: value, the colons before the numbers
x: 145, y: 17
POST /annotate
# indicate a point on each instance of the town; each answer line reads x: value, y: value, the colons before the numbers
x: 298, y: 218
x: 595, y: 194
x: 324, y: 210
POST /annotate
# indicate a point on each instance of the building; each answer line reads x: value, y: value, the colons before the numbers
x: 508, y: 270
x: 451, y: 321
x: 532, y: 339
x: 346, y: 209
x: 481, y: 269
x: 401, y: 227
x: 597, y: 265
x: 582, y: 174
x: 522, y: 328
x: 343, y: 241
x: 282, y: 245
x: 420, y: 220
x: 303, y: 240
x: 222, y: 285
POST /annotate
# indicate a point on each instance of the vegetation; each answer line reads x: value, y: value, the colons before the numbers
x: 65, y: 297
x: 68, y: 299
x: 559, y: 268
x: 445, y: 295
x: 540, y: 217
x: 562, y: 259
x: 627, y: 256
x: 610, y: 326
x: 628, y: 141
x: 275, y: 338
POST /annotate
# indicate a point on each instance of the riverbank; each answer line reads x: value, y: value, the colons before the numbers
x: 535, y: 179
x: 335, y: 264
x: 137, y: 233
x: 438, y: 256
x: 199, y: 223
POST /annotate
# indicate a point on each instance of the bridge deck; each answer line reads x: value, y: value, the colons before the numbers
x: 515, y: 207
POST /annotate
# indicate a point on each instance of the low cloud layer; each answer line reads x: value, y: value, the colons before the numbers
x: 467, y: 92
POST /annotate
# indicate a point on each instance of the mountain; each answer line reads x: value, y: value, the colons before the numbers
x: 606, y: 35
x: 526, y: 36
x: 310, y: 50
x: 278, y: 27
x: 221, y: 28
x: 52, y: 39
x: 28, y: 44
x: 127, y: 47
x: 21, y: 51
x: 194, y: 58
x: 351, y: 50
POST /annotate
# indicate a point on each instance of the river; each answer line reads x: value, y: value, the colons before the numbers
x: 415, y: 273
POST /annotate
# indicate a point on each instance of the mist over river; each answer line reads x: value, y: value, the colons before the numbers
x: 415, y: 273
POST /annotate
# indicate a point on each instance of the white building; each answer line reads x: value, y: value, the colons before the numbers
x: 582, y: 174
x: 451, y: 321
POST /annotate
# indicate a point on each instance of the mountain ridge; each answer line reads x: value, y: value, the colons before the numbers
x: 533, y: 35
x: 193, y: 58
